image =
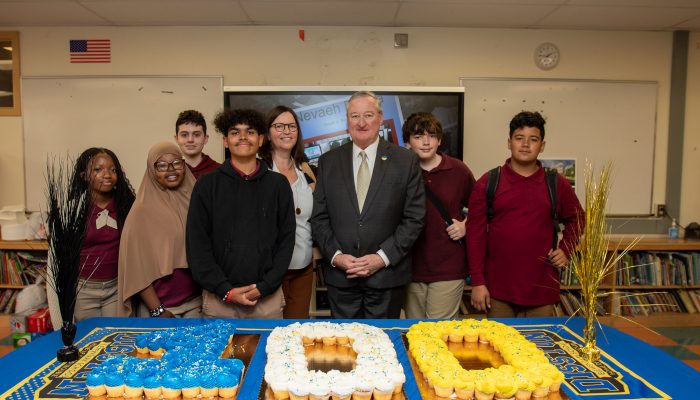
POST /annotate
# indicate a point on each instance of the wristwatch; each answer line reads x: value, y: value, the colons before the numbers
x: 156, y: 312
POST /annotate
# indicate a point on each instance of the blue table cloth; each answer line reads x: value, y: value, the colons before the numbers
x: 629, y: 368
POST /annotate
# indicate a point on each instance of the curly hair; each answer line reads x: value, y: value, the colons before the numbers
x: 529, y: 119
x: 123, y: 192
x: 229, y: 118
x: 191, y: 117
x: 265, y: 151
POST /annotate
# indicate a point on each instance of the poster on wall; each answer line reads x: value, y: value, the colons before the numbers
x: 565, y: 166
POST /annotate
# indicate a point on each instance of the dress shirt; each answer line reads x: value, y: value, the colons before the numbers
x: 371, y: 152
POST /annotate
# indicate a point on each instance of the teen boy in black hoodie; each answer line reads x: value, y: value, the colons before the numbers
x: 240, y: 226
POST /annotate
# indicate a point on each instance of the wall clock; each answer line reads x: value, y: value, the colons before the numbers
x: 547, y: 56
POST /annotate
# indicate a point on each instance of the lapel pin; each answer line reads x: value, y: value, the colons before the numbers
x: 384, y: 158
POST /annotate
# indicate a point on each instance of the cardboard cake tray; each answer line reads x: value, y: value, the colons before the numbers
x: 470, y: 356
x: 242, y: 347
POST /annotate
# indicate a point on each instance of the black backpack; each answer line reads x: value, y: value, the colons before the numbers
x: 550, y: 178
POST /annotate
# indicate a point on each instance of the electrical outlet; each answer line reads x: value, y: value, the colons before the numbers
x: 661, y: 210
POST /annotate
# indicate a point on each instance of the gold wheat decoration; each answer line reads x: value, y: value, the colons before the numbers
x: 592, y: 262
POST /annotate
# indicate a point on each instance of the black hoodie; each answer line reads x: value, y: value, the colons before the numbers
x: 240, y: 230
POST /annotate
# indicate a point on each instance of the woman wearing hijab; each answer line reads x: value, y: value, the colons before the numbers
x: 153, y: 275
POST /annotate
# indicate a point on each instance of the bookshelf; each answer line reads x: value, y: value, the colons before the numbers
x: 656, y: 280
x: 20, y: 263
x: 319, y: 307
x: 657, y: 297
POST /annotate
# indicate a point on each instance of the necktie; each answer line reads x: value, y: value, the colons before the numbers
x: 362, y: 180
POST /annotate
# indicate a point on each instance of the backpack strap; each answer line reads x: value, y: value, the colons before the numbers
x: 551, y: 178
x: 491, y: 186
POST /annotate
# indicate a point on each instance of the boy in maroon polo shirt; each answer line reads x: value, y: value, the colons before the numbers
x: 514, y: 269
x: 439, y: 253
x: 191, y: 135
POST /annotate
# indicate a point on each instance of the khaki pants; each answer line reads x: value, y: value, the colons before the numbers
x: 269, y: 307
x: 191, y: 308
x: 504, y: 309
x: 433, y: 299
x: 96, y: 299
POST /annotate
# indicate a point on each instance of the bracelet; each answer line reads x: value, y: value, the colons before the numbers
x: 228, y: 297
x: 156, y: 312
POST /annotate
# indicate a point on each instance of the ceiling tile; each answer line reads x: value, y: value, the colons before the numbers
x: 321, y: 13
x: 692, y: 24
x: 47, y: 13
x: 636, y: 3
x: 594, y: 17
x: 476, y: 15
x: 169, y: 12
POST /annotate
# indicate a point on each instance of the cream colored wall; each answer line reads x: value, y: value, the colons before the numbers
x: 690, y: 182
x: 355, y: 56
x: 11, y: 161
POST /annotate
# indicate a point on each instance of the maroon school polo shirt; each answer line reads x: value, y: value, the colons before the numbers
x: 100, y: 253
x: 436, y: 257
x: 510, y: 257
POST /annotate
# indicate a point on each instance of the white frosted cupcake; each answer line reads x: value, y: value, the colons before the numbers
x: 299, y: 389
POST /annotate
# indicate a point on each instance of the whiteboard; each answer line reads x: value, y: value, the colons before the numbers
x: 587, y: 121
x: 66, y: 115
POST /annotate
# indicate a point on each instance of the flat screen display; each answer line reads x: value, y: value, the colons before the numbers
x: 322, y: 112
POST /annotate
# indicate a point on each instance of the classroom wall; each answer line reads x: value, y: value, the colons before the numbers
x: 690, y: 181
x: 365, y: 56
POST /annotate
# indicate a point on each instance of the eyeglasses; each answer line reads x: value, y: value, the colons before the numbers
x: 280, y: 127
x: 355, y: 117
x: 163, y: 166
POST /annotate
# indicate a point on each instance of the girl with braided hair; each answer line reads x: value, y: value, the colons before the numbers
x: 99, y: 174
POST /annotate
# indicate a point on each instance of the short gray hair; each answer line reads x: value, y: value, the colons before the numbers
x: 366, y: 93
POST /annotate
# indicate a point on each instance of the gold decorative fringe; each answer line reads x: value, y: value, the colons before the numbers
x: 592, y: 262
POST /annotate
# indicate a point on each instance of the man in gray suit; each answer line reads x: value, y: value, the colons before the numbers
x: 369, y: 206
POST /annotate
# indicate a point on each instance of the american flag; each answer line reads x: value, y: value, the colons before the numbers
x: 91, y: 51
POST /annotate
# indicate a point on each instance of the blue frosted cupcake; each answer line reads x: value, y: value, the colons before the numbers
x: 172, y: 386
x: 95, y: 383
x: 141, y: 344
x: 114, y: 383
x: 133, y: 385
x: 228, y: 384
x: 152, y: 387
x: 208, y: 385
x: 190, y: 385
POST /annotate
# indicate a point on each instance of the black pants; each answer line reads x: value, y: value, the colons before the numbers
x: 359, y: 302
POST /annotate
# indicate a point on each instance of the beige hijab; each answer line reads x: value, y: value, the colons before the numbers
x: 153, y: 239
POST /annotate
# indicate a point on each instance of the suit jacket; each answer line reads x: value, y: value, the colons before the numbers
x: 391, y: 219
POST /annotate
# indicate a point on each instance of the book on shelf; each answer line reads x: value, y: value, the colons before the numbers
x: 8, y: 298
x: 571, y: 304
x: 659, y: 269
x: 318, y: 274
x: 695, y: 298
x: 634, y: 303
x: 322, y: 302
x: 685, y: 301
x: 21, y: 268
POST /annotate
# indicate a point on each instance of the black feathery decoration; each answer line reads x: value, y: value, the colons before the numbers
x: 66, y: 220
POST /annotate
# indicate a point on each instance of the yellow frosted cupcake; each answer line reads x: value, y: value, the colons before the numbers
x: 464, y: 385
x: 505, y: 387
x: 443, y: 383
x: 525, y: 387
x: 485, y: 388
